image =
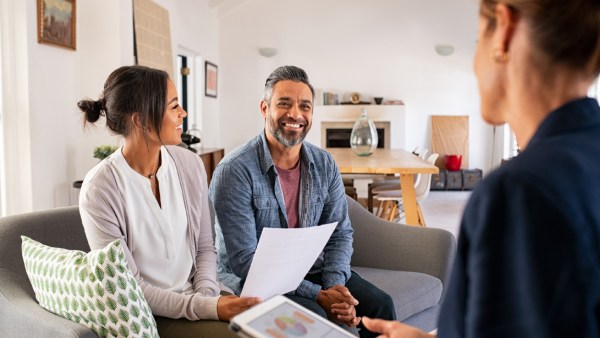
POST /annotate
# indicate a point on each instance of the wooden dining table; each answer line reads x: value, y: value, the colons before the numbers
x: 388, y: 162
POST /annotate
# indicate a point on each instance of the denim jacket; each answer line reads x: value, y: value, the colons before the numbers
x: 247, y: 198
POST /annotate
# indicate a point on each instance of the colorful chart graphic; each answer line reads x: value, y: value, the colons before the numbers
x: 290, y: 326
x: 288, y: 321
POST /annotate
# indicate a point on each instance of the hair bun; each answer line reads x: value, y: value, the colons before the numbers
x: 92, y: 109
x: 99, y: 106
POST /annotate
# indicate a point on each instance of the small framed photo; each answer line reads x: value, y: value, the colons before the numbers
x: 56, y: 22
x: 211, y: 75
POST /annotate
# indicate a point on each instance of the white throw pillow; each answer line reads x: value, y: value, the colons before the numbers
x: 95, y: 289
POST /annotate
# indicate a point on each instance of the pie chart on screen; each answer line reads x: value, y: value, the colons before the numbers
x: 290, y: 326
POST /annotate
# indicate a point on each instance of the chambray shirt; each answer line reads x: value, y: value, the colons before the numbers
x: 247, y: 198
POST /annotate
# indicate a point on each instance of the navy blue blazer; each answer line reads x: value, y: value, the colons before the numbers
x: 528, y: 260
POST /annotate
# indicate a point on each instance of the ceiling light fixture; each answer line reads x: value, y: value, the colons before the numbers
x: 444, y: 50
x: 267, y: 51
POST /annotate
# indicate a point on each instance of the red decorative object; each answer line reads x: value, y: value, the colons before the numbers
x: 453, y: 162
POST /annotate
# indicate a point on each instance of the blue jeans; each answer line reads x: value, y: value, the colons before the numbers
x: 373, y: 302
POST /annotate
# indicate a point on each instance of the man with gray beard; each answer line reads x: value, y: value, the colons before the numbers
x: 276, y: 180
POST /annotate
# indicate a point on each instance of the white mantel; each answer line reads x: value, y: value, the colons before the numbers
x: 394, y: 114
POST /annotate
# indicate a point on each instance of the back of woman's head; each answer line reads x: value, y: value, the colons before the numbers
x: 128, y: 90
x: 563, y: 32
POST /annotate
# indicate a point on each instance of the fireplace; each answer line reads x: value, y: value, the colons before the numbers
x: 337, y: 134
x: 390, y: 118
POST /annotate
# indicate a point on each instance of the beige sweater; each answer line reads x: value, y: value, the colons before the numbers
x: 104, y: 214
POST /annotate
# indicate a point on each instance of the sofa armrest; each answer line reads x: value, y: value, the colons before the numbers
x: 21, y: 315
x: 386, y: 245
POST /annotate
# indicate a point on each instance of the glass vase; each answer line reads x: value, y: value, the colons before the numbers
x: 363, y: 139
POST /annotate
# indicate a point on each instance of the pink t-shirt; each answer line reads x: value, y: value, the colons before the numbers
x: 289, y: 179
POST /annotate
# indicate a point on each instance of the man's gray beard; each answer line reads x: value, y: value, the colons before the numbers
x: 278, y: 133
x: 288, y: 141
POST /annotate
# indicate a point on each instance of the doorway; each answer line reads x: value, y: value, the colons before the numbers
x: 183, y: 71
x: 190, y: 76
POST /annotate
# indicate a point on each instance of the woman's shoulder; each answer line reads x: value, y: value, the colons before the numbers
x: 100, y: 186
x: 181, y: 152
x: 183, y: 156
x: 524, y: 192
x: 101, y: 174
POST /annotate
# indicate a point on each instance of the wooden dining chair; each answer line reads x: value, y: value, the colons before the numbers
x: 392, y: 199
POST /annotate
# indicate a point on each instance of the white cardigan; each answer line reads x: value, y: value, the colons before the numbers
x: 105, y: 216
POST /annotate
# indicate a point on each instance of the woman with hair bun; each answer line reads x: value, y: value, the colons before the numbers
x: 528, y: 260
x: 153, y: 196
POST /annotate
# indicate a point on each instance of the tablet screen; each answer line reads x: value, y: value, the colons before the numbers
x: 288, y: 321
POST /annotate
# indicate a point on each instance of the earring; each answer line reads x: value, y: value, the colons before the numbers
x: 499, y: 56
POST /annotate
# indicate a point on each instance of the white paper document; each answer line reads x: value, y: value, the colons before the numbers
x: 283, y: 257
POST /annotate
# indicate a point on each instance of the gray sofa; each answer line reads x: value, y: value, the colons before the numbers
x: 410, y: 263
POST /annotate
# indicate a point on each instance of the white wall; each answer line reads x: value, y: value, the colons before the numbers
x: 194, y: 29
x: 58, y: 151
x: 378, y: 48
x: 61, y: 151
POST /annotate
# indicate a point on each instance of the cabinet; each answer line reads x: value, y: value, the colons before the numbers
x: 211, y: 157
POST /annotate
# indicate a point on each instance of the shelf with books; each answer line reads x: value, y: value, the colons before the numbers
x: 327, y: 98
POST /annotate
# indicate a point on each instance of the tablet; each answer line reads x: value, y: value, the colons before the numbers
x: 279, y: 317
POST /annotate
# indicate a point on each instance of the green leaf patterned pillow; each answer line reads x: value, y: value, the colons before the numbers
x: 95, y: 289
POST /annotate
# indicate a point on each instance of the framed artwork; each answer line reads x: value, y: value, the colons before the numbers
x: 56, y: 22
x: 210, y: 79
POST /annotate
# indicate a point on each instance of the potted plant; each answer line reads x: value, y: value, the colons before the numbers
x: 102, y: 152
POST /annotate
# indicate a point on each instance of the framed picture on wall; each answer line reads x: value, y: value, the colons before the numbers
x: 210, y: 79
x: 56, y: 22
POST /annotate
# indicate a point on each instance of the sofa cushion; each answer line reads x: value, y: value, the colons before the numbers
x: 412, y: 292
x: 96, y: 289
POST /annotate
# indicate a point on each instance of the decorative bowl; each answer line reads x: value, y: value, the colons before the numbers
x: 453, y: 162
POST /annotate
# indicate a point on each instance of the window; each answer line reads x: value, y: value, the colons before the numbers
x: 594, y: 90
x: 189, y: 81
x: 182, y: 85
